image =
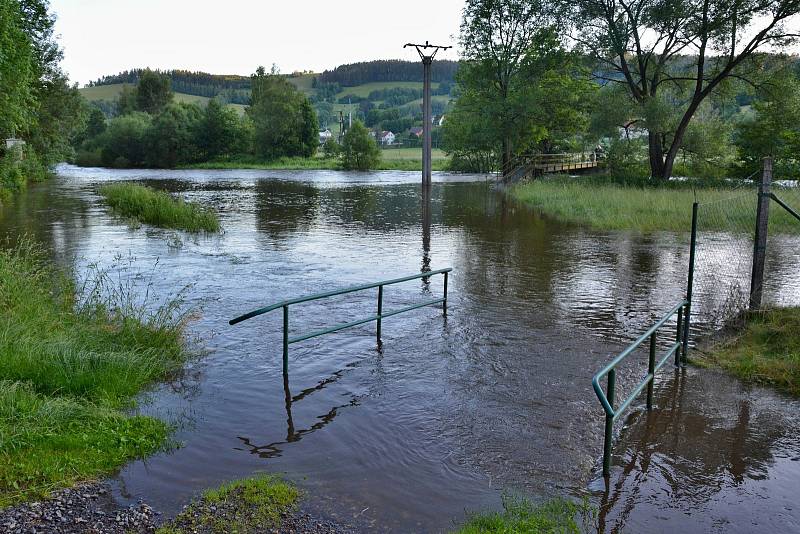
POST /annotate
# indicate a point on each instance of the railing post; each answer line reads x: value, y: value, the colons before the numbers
x: 760, y: 239
x: 687, y: 314
x: 286, y: 340
x: 678, y: 335
x: 380, y: 312
x: 609, y: 434
x: 444, y: 304
x: 651, y: 370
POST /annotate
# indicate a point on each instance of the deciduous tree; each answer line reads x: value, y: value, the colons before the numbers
x: 359, y: 150
x: 686, y: 47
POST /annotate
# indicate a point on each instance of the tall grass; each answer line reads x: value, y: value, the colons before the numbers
x: 159, y: 208
x: 766, y: 350
x: 607, y: 205
x: 70, y: 359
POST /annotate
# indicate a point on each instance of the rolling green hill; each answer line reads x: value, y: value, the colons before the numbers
x: 112, y: 91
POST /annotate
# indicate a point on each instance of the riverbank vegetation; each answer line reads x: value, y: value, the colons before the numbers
x: 250, y: 505
x: 523, y: 516
x: 71, y: 361
x: 393, y: 159
x: 605, y: 203
x: 765, y: 351
x: 158, y: 208
x: 41, y: 114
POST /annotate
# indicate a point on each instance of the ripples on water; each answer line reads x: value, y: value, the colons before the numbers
x: 452, y: 411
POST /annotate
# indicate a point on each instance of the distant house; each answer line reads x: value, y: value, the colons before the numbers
x: 324, y: 136
x: 416, y: 131
x: 630, y: 130
x: 387, y: 138
x: 13, y: 142
x: 441, y: 120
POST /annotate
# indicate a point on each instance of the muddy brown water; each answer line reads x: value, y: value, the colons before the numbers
x: 450, y: 413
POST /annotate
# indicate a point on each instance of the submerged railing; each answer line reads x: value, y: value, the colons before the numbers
x: 607, y: 398
x: 378, y: 317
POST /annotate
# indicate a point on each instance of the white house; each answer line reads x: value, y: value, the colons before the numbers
x: 387, y: 138
x: 324, y: 136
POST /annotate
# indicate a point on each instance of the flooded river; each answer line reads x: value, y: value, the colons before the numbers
x: 452, y: 411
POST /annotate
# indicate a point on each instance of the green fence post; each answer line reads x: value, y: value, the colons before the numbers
x: 687, y: 314
x: 286, y: 340
x: 612, y: 380
x: 380, y: 311
x: 678, y: 335
x: 444, y: 304
x: 651, y: 370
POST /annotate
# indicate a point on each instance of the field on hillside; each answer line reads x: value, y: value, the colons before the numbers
x: 364, y: 90
x: 302, y: 82
x: 111, y: 92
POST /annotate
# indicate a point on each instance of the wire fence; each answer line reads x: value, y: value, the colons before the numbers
x: 724, y: 254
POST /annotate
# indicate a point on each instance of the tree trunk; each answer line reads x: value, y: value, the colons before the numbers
x: 656, y: 149
x: 506, y: 160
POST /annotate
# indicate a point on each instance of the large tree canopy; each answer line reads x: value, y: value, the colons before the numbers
x: 519, y: 89
x: 17, y: 74
x: 675, y: 53
x: 285, y: 123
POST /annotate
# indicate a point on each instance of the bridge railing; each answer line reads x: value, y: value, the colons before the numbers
x: 378, y: 317
x: 525, y: 164
x: 607, y: 397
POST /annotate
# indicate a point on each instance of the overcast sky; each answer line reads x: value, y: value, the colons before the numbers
x: 235, y: 36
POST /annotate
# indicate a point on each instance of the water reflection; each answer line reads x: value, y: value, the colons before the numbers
x: 703, y: 458
x: 272, y: 450
x: 426, y: 234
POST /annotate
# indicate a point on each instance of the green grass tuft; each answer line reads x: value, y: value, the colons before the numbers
x: 520, y: 516
x: 250, y: 505
x: 767, y: 351
x: 159, y: 208
x: 70, y: 360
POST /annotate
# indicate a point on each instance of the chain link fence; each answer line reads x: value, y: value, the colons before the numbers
x: 725, y: 247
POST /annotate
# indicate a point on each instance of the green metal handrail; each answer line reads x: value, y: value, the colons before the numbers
x: 607, y: 398
x: 317, y: 296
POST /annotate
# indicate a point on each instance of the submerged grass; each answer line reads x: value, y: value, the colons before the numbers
x: 766, y: 351
x: 520, y: 516
x: 250, y: 505
x: 70, y: 360
x: 159, y: 208
x: 608, y: 205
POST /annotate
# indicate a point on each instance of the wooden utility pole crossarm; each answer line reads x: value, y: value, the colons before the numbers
x: 427, y: 60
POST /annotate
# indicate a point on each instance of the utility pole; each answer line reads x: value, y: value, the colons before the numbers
x: 427, y: 60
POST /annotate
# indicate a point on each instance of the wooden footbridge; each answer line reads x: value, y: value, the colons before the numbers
x: 528, y: 166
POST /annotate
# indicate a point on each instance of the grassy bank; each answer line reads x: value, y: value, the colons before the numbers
x: 766, y: 351
x: 251, y: 505
x: 70, y: 362
x: 392, y: 159
x: 604, y: 205
x: 158, y: 208
x: 523, y: 517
